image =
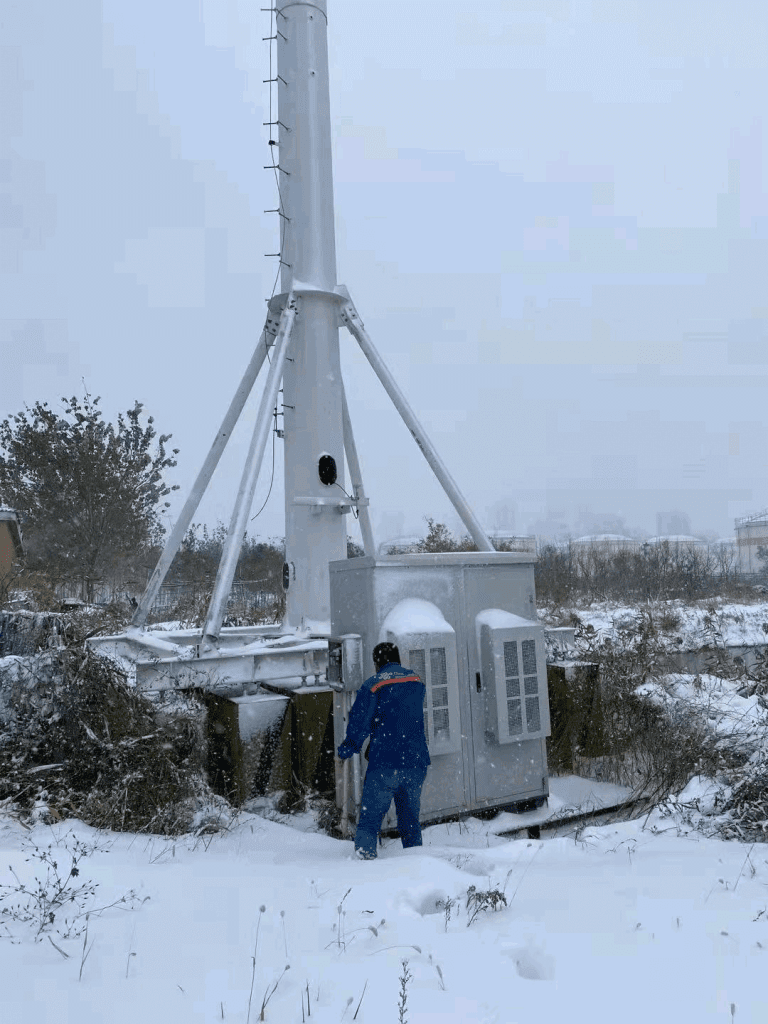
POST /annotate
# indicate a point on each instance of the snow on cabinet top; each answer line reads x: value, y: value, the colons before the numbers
x: 414, y: 615
x: 497, y: 618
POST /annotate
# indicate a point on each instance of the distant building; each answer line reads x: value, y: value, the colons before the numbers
x: 751, y: 534
x: 605, y: 543
x: 11, y: 541
x: 677, y: 541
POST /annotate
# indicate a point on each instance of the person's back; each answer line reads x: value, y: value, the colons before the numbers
x: 397, y: 727
x: 390, y: 707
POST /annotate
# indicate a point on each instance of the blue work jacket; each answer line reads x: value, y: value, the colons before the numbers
x: 390, y: 707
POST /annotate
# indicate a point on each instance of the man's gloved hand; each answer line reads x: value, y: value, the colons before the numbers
x: 345, y: 750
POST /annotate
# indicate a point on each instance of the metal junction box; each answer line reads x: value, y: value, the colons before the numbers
x: 466, y: 622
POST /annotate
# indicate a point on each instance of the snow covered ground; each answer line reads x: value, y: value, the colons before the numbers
x: 643, y: 921
x: 695, y: 624
x: 652, y: 921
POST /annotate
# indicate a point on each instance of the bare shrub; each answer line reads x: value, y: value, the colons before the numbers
x: 566, y: 573
x: 80, y: 740
x: 654, y: 750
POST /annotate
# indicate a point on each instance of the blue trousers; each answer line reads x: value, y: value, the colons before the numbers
x: 381, y: 787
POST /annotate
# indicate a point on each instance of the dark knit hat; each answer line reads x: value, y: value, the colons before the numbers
x: 385, y: 653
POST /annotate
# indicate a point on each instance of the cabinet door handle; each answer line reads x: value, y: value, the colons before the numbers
x: 478, y: 682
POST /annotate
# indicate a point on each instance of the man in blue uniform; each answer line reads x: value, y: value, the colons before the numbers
x: 390, y: 707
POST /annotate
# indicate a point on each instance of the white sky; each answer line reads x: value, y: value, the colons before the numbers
x: 552, y: 217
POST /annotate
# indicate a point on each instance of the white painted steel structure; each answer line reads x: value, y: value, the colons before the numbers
x: 315, y: 528
x: 363, y: 599
x: 302, y: 335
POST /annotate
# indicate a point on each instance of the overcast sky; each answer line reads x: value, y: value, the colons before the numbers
x: 552, y: 217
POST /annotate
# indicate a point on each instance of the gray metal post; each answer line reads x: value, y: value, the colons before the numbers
x: 356, y: 783
x: 244, y: 500
x: 345, y: 777
x: 184, y: 521
x: 351, y: 319
x: 357, y: 477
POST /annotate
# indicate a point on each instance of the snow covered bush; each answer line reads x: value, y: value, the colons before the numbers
x: 77, y: 738
x: 652, y: 747
x: 693, y: 742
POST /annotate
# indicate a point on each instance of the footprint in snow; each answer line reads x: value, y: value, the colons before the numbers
x: 424, y: 901
x: 532, y: 963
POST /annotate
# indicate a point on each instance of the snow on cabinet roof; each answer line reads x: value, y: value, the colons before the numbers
x: 414, y: 615
x: 497, y: 618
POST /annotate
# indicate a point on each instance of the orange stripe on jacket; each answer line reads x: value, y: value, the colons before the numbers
x: 397, y: 679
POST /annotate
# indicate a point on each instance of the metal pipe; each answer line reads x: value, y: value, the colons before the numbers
x: 356, y: 769
x: 345, y: 783
x: 244, y: 500
x: 179, y: 530
x: 355, y: 473
x: 352, y: 321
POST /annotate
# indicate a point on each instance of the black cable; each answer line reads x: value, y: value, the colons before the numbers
x: 271, y: 480
x: 354, y: 510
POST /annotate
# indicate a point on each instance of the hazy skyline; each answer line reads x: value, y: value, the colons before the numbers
x: 552, y: 217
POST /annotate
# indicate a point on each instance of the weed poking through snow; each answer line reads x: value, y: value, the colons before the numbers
x: 365, y: 986
x: 268, y: 993
x: 55, y: 889
x: 402, y: 1003
x: 446, y: 906
x: 479, y: 902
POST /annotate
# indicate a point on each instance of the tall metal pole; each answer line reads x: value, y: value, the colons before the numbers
x: 315, y: 529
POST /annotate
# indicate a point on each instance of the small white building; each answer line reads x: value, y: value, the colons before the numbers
x: 605, y: 543
x: 751, y: 534
x: 677, y: 542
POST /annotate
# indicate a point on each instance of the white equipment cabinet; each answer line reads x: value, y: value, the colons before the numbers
x: 466, y: 622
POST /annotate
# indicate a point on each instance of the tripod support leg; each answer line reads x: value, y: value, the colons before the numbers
x: 352, y: 321
x: 357, y: 477
x: 244, y: 500
x: 177, y: 534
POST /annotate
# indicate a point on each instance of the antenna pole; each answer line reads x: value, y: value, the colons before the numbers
x: 315, y: 529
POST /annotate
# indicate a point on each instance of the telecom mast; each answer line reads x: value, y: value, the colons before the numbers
x: 471, y: 617
x: 301, y: 335
x: 315, y: 526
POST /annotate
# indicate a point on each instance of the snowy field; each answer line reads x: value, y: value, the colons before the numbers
x: 643, y: 921
x: 694, y: 624
x: 652, y: 921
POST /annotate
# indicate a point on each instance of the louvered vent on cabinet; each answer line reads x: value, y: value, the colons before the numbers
x: 514, y: 680
x: 433, y: 657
